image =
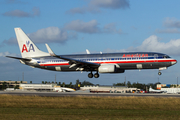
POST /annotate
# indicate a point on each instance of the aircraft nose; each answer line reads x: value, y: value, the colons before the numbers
x: 173, y: 62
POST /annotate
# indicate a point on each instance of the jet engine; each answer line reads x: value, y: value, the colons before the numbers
x: 107, y: 69
x: 110, y: 69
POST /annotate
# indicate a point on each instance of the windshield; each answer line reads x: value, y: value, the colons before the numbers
x: 166, y: 56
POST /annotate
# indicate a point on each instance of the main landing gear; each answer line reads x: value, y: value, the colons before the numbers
x: 90, y: 75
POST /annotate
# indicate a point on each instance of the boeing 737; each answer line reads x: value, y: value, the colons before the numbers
x: 100, y: 63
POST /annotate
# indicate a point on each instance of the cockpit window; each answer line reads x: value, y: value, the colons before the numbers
x: 166, y: 56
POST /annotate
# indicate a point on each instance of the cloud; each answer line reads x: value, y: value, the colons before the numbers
x: 174, y: 30
x: 36, y: 11
x: 14, y: 2
x: 11, y: 68
x: 17, y: 13
x: 91, y: 27
x: 152, y: 44
x: 94, y: 6
x: 172, y: 25
x: 3, y: 54
x: 84, y: 27
x: 111, y: 4
x: 5, y: 60
x: 45, y: 35
x: 57, y: 35
x: 111, y: 28
x: 10, y: 41
x: 83, y: 10
x: 172, y: 22
x: 20, y: 13
x: 50, y: 34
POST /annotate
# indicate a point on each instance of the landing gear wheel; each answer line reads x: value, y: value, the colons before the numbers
x: 90, y: 75
x: 159, y: 73
x: 96, y: 75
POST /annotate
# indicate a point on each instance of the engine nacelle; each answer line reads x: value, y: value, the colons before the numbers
x: 107, y: 69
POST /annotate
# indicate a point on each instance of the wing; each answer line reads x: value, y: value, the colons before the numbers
x: 74, y: 62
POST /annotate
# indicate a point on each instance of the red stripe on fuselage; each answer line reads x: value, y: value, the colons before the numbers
x: 53, y: 64
x: 115, y: 62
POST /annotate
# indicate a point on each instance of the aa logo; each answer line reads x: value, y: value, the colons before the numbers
x: 28, y: 47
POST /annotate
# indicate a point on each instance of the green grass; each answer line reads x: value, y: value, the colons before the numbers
x: 37, y: 108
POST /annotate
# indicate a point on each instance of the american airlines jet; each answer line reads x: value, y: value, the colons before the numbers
x: 100, y: 63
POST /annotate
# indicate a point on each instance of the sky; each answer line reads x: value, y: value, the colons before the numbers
x: 72, y: 26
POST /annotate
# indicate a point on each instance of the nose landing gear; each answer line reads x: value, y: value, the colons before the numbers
x: 162, y: 68
x: 159, y: 73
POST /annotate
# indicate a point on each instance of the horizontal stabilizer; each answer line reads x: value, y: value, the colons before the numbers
x: 19, y: 58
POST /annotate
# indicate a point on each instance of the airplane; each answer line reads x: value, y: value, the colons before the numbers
x: 100, y: 63
x: 156, y: 91
x: 64, y: 89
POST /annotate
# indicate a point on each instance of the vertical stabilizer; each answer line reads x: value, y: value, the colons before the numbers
x: 27, y: 48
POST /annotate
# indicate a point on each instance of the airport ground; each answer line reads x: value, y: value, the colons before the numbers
x: 34, y: 106
x: 73, y: 94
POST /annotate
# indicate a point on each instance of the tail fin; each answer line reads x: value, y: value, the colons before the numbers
x: 27, y: 48
x: 150, y: 88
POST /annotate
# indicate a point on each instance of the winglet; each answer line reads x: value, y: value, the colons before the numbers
x: 87, y: 51
x: 49, y: 50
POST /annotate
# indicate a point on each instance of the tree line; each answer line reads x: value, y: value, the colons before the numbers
x: 138, y: 85
x: 128, y: 84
